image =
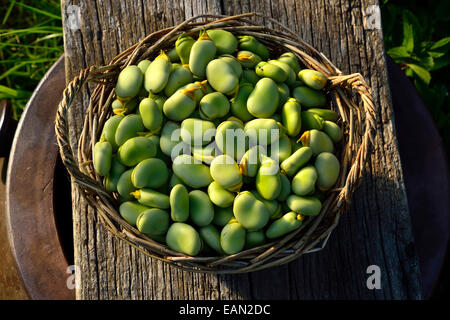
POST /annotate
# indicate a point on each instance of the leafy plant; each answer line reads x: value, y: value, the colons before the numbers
x: 415, y: 36
x: 31, y: 39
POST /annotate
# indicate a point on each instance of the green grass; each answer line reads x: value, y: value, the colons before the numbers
x: 31, y: 40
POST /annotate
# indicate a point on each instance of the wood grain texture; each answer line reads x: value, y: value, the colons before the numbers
x: 375, y: 231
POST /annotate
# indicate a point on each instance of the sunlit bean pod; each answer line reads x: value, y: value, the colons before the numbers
x: 250, y: 43
x: 191, y: 172
x: 135, y: 150
x: 297, y: 160
x: 125, y: 186
x: 287, y: 223
x: 150, y: 173
x: 262, y: 131
x: 214, y: 105
x: 325, y: 114
x: 211, y: 236
x: 183, y: 238
x: 202, y: 52
x: 109, y: 130
x: 271, y: 70
x: 291, y: 117
x: 151, y: 116
x: 130, y: 211
x: 268, y: 181
x: 180, y: 76
x: 308, y: 206
x: 303, y: 183
x: 308, y: 97
x: 314, y: 79
x: 201, y: 209
x: 332, y: 130
x: 102, y: 157
x: 311, y: 121
x: 129, y: 83
x: 222, y: 77
x: 232, y: 238
x: 128, y: 128
x: 157, y: 73
x: 180, y: 105
x: 318, y: 141
x: 220, y: 196
x: 225, y: 41
x: 231, y: 139
x: 179, y: 203
x: 225, y: 171
x: 239, y: 102
x: 250, y: 212
x: 328, y: 167
x: 291, y: 60
x: 151, y: 198
x: 153, y: 222
x: 183, y: 47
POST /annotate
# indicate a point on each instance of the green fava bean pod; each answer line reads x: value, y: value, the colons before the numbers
x: 152, y: 198
x: 179, y: 203
x: 225, y: 171
x: 297, y: 160
x: 151, y: 116
x: 123, y: 108
x: 143, y: 65
x: 202, y: 52
x: 125, y: 186
x: 220, y: 196
x: 325, y: 114
x: 271, y: 70
x: 191, y: 172
x: 328, y: 167
x: 196, y: 132
x: 262, y: 132
x: 291, y: 76
x: 332, y: 130
x: 115, y: 172
x: 291, y: 117
x: 170, y: 137
x: 222, y: 77
x: 291, y: 60
x: 109, y: 130
x: 225, y: 41
x: 268, y: 181
x: 231, y: 139
x: 285, y: 187
x: 180, y: 76
x: 255, y: 239
x: 150, y: 173
x: 250, y: 212
x: 308, y: 206
x: 157, y: 73
x: 239, y: 103
x: 314, y: 79
x: 135, y: 150
x: 131, y: 210
x: 232, y: 238
x: 214, y: 105
x: 183, y: 238
x: 250, y: 43
x: 174, y: 180
x: 233, y: 63
x: 263, y: 101
x: 205, y: 154
x: 102, y: 157
x: 173, y: 55
x: 273, y: 206
x: 248, y: 59
x: 183, y: 47
x: 287, y: 223
x: 283, y: 91
x: 308, y: 97
x: 202, y: 88
x: 282, y: 150
x: 129, y: 83
x: 304, y: 181
x: 222, y: 216
x: 153, y: 222
x: 250, y: 76
x: 180, y: 105
x: 318, y: 141
x: 128, y: 128
x: 251, y: 161
x: 211, y: 236
x: 201, y: 210
x: 311, y: 121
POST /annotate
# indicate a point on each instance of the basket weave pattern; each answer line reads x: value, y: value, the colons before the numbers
x: 350, y: 97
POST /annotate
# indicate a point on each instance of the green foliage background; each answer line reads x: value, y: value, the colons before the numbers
x: 415, y: 36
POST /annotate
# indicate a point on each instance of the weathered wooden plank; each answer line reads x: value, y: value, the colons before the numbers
x: 375, y: 231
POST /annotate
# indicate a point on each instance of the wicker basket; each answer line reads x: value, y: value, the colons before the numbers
x: 350, y: 97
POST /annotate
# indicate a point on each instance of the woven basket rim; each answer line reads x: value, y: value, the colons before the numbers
x: 351, y: 97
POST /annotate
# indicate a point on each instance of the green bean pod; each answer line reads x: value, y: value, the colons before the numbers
x: 192, y: 173
x: 250, y: 43
x: 231, y: 139
x: 211, y: 236
x: 170, y: 137
x: 255, y: 239
x: 273, y: 206
x: 114, y: 174
x: 308, y: 206
x: 250, y: 76
x: 183, y: 47
x: 325, y: 114
x: 222, y: 216
x: 297, y: 160
x: 131, y: 210
x: 314, y: 79
x: 109, y: 130
x: 328, y: 168
x: 153, y: 222
x: 248, y: 59
x: 225, y: 41
x: 291, y: 117
x: 239, y: 102
x: 205, y: 154
x: 318, y: 141
x: 196, y: 132
x: 225, y: 171
x: 285, y: 187
x: 271, y: 70
x: 202, y: 88
x: 129, y: 83
x: 220, y: 196
x: 251, y: 161
x: 250, y: 212
x: 311, y: 121
x: 262, y: 132
x: 201, y: 210
x: 180, y: 76
x: 308, y: 97
x: 263, y: 101
x: 232, y: 238
x: 214, y: 105
x: 151, y: 198
x: 287, y: 223
x: 283, y: 92
x: 202, y: 52
x: 291, y: 60
x: 150, y: 173
x: 125, y: 186
x: 143, y: 65
x: 233, y: 63
x: 222, y: 77
x: 128, y: 128
x: 151, y: 116
x: 123, y: 108
x: 102, y: 157
x: 268, y: 181
x: 179, y: 203
x: 304, y: 181
x: 282, y: 150
x: 180, y: 105
x: 332, y: 130
x: 183, y: 238
x: 291, y: 76
x: 157, y: 73
x: 135, y: 150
